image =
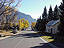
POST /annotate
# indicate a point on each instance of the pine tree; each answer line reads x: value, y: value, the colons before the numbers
x: 44, y: 19
x: 56, y: 13
x: 44, y: 15
x: 61, y: 25
x: 50, y: 14
x: 43, y: 25
x: 38, y: 24
x: 36, y: 27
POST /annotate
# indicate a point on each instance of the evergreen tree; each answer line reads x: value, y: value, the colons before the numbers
x: 44, y: 15
x: 61, y: 25
x: 44, y: 20
x: 36, y: 27
x: 50, y: 14
x: 43, y: 24
x: 38, y: 24
x: 56, y: 13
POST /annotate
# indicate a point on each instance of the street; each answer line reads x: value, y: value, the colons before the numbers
x: 27, y: 39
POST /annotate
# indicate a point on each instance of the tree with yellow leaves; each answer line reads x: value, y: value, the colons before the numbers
x: 26, y: 24
x: 23, y: 24
x: 33, y: 25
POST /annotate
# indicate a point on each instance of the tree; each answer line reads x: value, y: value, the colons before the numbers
x: 38, y: 24
x: 50, y: 14
x: 43, y: 24
x: 8, y: 3
x: 26, y: 24
x: 7, y: 7
x: 56, y: 13
x: 22, y: 23
x: 61, y: 25
x: 44, y: 19
x: 44, y: 15
x: 33, y: 25
x: 7, y: 12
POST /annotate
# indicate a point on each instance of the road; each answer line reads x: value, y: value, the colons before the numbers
x: 26, y: 39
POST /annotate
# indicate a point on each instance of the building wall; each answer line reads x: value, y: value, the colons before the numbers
x: 48, y: 29
x: 54, y: 29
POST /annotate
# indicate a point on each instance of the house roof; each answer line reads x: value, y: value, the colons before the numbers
x: 53, y: 22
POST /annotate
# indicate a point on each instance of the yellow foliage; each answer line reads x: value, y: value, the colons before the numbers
x: 33, y: 24
x: 26, y: 24
x: 11, y: 24
x: 16, y: 24
x: 23, y: 23
x: 15, y: 9
x: 7, y: 7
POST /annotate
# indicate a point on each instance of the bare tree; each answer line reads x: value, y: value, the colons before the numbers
x: 7, y: 10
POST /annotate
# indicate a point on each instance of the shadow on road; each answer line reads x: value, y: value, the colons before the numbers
x: 42, y: 45
x: 34, y: 35
x: 27, y: 35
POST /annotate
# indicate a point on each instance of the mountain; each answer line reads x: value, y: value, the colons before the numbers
x: 27, y: 17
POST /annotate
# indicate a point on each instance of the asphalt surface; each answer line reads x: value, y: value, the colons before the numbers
x: 26, y: 39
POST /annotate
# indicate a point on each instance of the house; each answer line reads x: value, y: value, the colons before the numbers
x: 52, y: 26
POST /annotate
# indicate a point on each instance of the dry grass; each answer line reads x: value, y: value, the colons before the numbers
x: 6, y: 33
x: 47, y: 38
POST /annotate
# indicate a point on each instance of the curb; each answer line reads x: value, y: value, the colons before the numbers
x: 4, y: 37
x: 53, y: 46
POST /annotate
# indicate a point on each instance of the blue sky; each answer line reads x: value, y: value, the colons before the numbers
x: 35, y: 7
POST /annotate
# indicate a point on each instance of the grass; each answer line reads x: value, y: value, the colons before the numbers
x: 1, y: 37
x: 47, y: 38
x: 54, y: 39
x: 6, y: 33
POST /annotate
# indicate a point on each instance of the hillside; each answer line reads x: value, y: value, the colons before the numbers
x: 27, y: 17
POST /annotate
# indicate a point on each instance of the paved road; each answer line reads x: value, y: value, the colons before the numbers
x: 27, y: 39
